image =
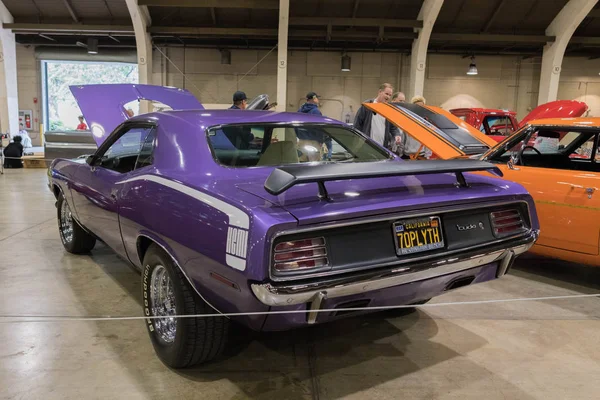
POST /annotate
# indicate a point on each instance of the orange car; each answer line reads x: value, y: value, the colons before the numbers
x: 556, y: 160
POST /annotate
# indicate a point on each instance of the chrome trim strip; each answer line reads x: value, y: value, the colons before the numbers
x: 316, y: 305
x: 506, y: 262
x: 66, y: 145
x: 303, y: 293
x: 306, y: 247
x: 432, y: 211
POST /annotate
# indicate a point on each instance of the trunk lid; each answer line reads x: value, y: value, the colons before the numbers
x: 103, y: 105
x: 358, y: 198
x: 556, y: 109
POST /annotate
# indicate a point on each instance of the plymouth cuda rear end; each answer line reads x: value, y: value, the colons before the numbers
x: 241, y: 212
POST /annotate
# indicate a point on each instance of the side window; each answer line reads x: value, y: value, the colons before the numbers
x: 146, y: 156
x: 585, y: 150
x: 122, y: 155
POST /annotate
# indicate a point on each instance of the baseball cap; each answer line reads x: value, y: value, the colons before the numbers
x: 239, y: 96
x: 310, y: 95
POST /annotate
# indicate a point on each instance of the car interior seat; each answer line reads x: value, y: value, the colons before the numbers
x: 284, y: 152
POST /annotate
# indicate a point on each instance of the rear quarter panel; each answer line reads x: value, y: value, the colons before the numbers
x: 209, y: 235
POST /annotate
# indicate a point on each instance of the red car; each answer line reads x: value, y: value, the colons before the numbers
x: 501, y: 123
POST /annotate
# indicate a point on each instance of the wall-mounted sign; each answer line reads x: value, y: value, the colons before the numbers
x: 26, y: 118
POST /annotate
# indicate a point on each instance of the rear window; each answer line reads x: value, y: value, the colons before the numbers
x: 250, y: 145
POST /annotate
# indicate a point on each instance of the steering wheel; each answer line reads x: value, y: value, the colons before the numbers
x: 518, y: 160
x: 531, y: 147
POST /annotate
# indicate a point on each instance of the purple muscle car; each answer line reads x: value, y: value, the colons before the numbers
x: 242, y: 211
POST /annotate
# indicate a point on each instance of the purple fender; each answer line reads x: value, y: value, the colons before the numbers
x: 103, y: 105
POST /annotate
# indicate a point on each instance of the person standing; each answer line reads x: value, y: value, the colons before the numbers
x: 82, y: 126
x: 398, y: 97
x: 25, y: 139
x: 413, y: 148
x: 311, y: 106
x: 240, y: 101
x: 420, y: 100
x: 374, y: 125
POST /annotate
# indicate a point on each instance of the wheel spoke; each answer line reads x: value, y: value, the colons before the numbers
x: 66, y: 223
x: 162, y: 297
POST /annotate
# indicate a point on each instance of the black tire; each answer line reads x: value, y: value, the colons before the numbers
x: 196, y: 340
x: 80, y: 241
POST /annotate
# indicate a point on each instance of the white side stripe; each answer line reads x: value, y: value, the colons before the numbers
x: 237, y: 217
x: 235, y: 262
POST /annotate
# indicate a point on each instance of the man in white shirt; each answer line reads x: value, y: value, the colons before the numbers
x: 374, y: 125
x: 25, y: 139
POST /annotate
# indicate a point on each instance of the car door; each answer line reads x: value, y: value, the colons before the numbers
x: 96, y: 197
x: 565, y: 187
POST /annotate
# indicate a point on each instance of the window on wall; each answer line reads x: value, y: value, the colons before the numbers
x: 61, y: 109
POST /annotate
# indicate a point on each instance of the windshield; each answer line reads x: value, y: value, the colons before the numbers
x: 250, y: 145
x: 550, y: 147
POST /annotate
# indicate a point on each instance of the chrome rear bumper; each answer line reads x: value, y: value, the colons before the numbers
x: 315, y: 292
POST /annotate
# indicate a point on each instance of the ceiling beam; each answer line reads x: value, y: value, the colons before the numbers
x: 585, y: 40
x: 490, y: 21
x: 387, y: 22
x: 73, y: 28
x: 189, y: 30
x: 214, y: 31
x: 262, y: 4
x: 489, y: 37
x: 71, y: 10
x: 183, y: 31
x: 595, y: 13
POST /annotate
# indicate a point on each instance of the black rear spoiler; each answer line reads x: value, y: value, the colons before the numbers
x: 283, y: 178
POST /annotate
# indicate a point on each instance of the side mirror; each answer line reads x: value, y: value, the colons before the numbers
x: 90, y: 160
x: 512, y: 162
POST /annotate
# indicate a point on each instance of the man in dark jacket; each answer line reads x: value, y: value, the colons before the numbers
x: 240, y: 101
x: 312, y: 107
x: 13, y: 153
x: 374, y: 125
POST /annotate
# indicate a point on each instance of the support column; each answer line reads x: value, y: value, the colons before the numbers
x: 563, y: 26
x: 9, y: 95
x: 282, y: 46
x: 428, y: 14
x: 140, y: 17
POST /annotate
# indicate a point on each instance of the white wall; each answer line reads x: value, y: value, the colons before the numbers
x: 503, y: 81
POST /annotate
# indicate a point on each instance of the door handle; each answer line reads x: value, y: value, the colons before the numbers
x: 588, y: 190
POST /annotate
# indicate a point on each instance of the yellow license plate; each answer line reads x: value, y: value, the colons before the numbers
x: 417, y: 235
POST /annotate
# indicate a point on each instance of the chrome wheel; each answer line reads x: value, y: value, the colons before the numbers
x: 162, y: 300
x: 66, y: 223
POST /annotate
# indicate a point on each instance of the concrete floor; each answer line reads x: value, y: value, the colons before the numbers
x: 526, y: 350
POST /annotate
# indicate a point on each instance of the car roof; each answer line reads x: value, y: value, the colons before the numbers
x: 220, y: 117
x: 570, y: 122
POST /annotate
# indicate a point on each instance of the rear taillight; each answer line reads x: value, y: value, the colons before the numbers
x: 300, y: 254
x: 507, y: 222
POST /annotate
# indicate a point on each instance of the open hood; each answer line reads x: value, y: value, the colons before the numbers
x: 103, y: 105
x: 446, y: 135
x: 556, y: 109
